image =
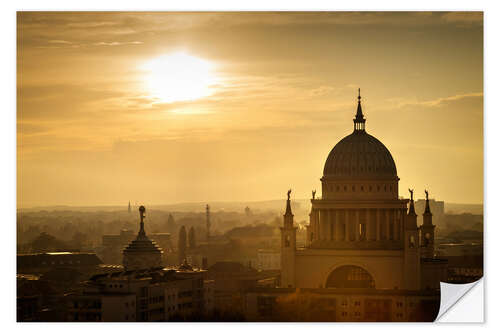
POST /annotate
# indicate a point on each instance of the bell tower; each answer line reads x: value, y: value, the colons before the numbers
x: 411, y: 249
x: 427, y: 232
x: 288, y: 246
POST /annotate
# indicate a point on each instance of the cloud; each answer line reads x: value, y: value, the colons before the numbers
x: 440, y: 101
x: 56, y: 41
x: 323, y: 91
x: 95, y: 26
x: 463, y: 17
x: 117, y: 43
x: 399, y: 103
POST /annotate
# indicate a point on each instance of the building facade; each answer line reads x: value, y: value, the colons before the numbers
x: 340, y: 305
x: 156, y: 294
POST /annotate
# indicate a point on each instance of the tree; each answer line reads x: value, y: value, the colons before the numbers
x: 181, y: 247
x: 192, y: 238
x: 79, y: 240
x: 171, y: 225
x: 46, y: 243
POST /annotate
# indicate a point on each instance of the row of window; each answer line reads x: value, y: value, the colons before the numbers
x: 87, y: 316
x: 344, y: 303
x: 87, y: 304
x: 356, y: 314
x: 361, y: 188
x: 115, y: 286
x: 69, y: 262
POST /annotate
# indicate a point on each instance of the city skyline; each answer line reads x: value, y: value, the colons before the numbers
x: 104, y: 116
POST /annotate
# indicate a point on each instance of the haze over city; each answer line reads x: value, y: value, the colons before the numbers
x: 190, y: 107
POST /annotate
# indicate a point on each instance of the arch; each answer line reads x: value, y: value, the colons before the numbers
x: 350, y: 276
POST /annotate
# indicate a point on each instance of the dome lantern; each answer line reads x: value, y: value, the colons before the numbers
x: 359, y: 120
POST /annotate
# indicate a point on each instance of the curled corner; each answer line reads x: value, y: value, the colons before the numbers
x: 451, y: 295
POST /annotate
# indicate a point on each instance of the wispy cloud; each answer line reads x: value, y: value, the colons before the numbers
x: 117, y: 43
x: 463, y: 17
x: 57, y: 41
x: 399, y: 103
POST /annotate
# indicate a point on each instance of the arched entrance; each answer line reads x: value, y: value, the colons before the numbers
x: 350, y: 276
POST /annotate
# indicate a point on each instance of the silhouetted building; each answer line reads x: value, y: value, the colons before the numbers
x: 340, y: 305
x: 208, y: 222
x: 361, y: 234
x: 39, y: 263
x: 113, y: 245
x: 38, y: 299
x: 157, y: 294
x: 437, y: 208
x: 268, y: 259
x: 142, y: 253
x: 232, y: 279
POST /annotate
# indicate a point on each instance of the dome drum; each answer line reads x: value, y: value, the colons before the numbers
x: 358, y: 189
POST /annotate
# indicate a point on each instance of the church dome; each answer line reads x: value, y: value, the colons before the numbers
x: 360, y: 155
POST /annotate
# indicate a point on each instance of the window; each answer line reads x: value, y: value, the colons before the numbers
x: 412, y: 241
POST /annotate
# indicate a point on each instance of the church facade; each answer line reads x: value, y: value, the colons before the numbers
x: 360, y: 233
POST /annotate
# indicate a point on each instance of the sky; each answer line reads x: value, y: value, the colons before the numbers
x: 163, y: 108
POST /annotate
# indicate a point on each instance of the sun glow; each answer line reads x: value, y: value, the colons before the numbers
x: 179, y: 77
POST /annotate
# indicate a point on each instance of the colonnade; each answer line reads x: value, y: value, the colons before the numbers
x: 356, y: 224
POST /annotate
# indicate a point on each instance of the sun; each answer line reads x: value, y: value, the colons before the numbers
x: 179, y: 77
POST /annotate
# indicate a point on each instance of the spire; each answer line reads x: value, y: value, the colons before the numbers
x: 208, y: 221
x: 288, y: 211
x: 427, y: 208
x: 359, y: 120
x: 142, y: 209
x: 411, y: 211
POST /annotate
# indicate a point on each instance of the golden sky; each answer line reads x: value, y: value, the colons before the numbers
x: 178, y: 107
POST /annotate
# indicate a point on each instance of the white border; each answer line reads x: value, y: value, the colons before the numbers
x: 8, y: 123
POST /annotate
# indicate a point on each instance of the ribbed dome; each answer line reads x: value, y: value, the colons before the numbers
x: 360, y: 156
x: 142, y: 244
